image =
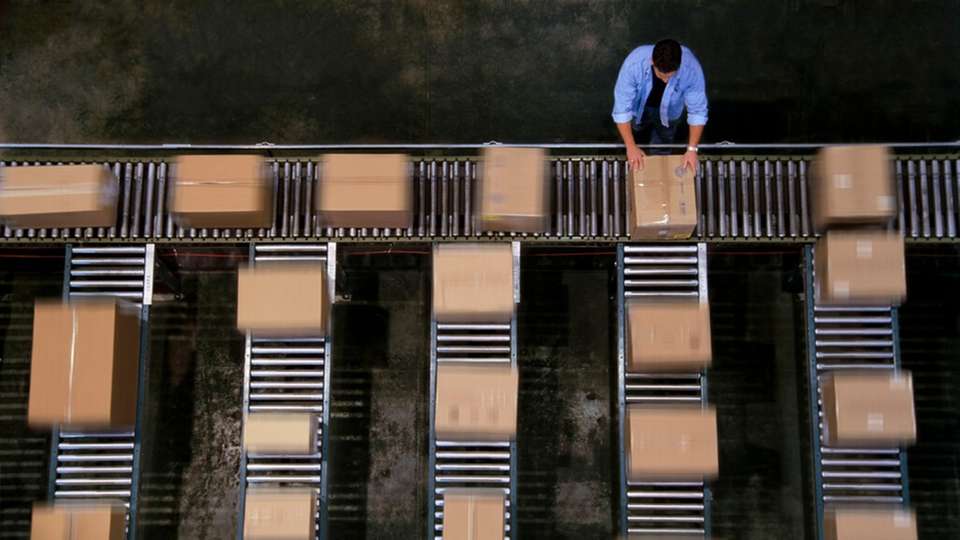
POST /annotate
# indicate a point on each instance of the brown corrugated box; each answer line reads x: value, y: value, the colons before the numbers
x: 280, y: 433
x: 75, y: 522
x: 476, y: 402
x: 83, y: 371
x: 868, y: 409
x: 280, y: 514
x: 365, y: 190
x: 473, y: 514
x: 852, y: 185
x: 860, y: 267
x: 668, y: 336
x: 282, y: 299
x: 514, y: 190
x: 869, y: 524
x: 233, y: 191
x: 58, y: 196
x: 661, y: 199
x: 677, y: 443
x: 473, y: 282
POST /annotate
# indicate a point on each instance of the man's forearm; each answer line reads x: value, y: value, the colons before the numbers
x: 626, y: 133
x: 695, y: 133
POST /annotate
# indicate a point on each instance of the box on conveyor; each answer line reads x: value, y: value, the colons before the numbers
x: 868, y: 409
x: 514, y: 190
x: 476, y: 402
x: 860, y: 267
x: 668, y: 336
x: 473, y: 514
x: 869, y: 523
x: 280, y: 433
x: 671, y: 443
x: 280, y: 514
x: 78, y: 522
x: 473, y: 283
x: 230, y: 191
x: 852, y: 185
x: 83, y: 370
x: 283, y: 299
x: 661, y: 199
x: 365, y: 190
x: 58, y: 196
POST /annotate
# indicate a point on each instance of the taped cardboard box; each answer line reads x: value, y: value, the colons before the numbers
x: 473, y: 514
x: 852, y: 185
x: 58, y: 196
x: 514, y: 190
x: 83, y: 370
x: 283, y: 299
x: 869, y: 523
x: 476, y: 402
x: 280, y: 433
x: 677, y: 443
x: 661, y: 199
x: 473, y: 283
x: 861, y: 268
x: 668, y: 336
x: 365, y: 190
x: 76, y: 522
x: 234, y: 191
x: 280, y: 514
x: 868, y: 409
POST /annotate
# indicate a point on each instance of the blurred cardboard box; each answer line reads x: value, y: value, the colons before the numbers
x: 365, y: 190
x: 231, y: 191
x: 280, y: 433
x: 58, y: 196
x: 280, y: 514
x: 473, y: 514
x: 473, y: 282
x: 84, y: 366
x: 514, y: 190
x: 860, y: 267
x: 476, y: 402
x: 668, y: 336
x: 677, y: 443
x: 852, y: 185
x: 76, y: 522
x: 661, y: 199
x: 868, y: 409
x: 283, y: 299
x: 869, y: 523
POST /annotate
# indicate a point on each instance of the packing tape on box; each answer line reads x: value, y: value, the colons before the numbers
x: 220, y: 182
x: 73, y: 361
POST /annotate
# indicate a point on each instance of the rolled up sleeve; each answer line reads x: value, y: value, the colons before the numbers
x: 696, y: 99
x: 625, y: 92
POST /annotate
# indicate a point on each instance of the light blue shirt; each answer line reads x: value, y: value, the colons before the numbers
x: 686, y: 88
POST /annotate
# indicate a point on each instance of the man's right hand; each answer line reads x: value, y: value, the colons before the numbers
x: 635, y: 157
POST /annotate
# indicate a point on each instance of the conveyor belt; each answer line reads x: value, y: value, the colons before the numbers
x: 659, y: 509
x: 290, y: 375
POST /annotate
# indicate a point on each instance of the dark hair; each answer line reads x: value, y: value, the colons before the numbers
x: 666, y: 55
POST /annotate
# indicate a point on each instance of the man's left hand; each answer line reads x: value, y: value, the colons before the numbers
x: 690, y: 161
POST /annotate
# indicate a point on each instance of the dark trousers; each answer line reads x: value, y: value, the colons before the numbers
x: 650, y: 122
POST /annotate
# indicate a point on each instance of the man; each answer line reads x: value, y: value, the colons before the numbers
x: 655, y: 84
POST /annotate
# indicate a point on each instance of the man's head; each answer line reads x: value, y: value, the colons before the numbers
x: 666, y: 58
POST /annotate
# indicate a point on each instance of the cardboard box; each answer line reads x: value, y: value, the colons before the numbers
x: 514, y: 190
x: 283, y: 299
x: 58, y: 196
x: 661, y: 199
x: 75, y: 522
x: 668, y: 336
x: 473, y: 514
x: 280, y: 514
x: 852, y: 185
x: 869, y: 523
x: 473, y: 283
x: 280, y: 433
x: 867, y: 409
x: 365, y: 190
x: 860, y: 268
x: 83, y: 371
x: 677, y: 443
x: 476, y: 402
x: 232, y: 191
